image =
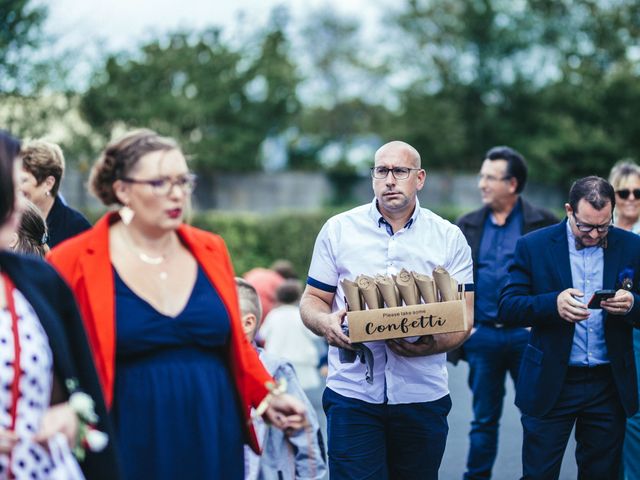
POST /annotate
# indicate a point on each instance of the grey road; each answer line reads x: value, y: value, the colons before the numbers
x: 508, y: 465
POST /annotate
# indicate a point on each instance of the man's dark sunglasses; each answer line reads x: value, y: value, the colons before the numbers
x: 625, y: 192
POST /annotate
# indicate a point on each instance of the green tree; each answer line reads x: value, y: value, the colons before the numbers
x: 344, y: 91
x: 20, y: 34
x: 219, y: 101
x: 555, y: 79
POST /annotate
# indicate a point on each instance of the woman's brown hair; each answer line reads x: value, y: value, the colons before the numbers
x: 120, y: 157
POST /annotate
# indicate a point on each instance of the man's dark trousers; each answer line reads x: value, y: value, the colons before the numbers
x: 385, y: 442
x: 589, y: 399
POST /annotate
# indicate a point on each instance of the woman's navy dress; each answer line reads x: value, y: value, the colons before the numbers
x: 175, y: 409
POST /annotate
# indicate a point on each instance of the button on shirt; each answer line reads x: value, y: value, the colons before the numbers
x: 356, y: 242
x: 497, y: 247
x: 587, y: 270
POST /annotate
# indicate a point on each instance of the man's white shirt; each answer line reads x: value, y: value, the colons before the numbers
x: 356, y: 242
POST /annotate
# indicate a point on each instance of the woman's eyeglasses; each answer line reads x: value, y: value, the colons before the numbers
x: 625, y: 192
x: 164, y: 186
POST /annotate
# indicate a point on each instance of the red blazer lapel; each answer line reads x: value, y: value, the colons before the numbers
x: 96, y: 269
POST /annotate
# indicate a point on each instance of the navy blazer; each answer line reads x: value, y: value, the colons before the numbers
x: 55, y: 306
x: 64, y: 222
x: 540, y: 271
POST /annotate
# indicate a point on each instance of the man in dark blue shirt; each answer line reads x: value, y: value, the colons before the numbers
x: 493, y: 350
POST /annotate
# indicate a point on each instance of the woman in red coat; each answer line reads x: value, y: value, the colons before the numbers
x: 159, y: 302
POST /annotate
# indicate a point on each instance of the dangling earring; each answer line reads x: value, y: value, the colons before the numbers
x: 126, y: 214
x: 47, y: 193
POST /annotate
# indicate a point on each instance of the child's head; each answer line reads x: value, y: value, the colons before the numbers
x: 289, y: 292
x: 250, y: 307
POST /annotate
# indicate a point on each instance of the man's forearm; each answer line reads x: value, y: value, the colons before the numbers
x: 314, y: 313
x: 445, y: 342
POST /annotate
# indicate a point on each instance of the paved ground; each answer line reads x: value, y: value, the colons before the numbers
x: 508, y: 464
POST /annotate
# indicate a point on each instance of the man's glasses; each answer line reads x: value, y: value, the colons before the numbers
x: 399, y: 173
x: 163, y: 186
x: 587, y: 228
x: 625, y: 192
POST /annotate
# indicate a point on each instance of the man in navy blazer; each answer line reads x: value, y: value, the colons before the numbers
x: 578, y: 368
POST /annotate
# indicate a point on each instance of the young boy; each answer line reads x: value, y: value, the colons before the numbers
x: 297, y: 455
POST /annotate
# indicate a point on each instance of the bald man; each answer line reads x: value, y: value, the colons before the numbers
x: 386, y: 417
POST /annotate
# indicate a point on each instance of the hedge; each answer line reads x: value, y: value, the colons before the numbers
x: 258, y: 240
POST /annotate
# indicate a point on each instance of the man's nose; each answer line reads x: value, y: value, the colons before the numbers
x: 390, y: 180
x: 594, y: 233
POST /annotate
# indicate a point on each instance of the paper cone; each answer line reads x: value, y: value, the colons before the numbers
x: 408, y: 289
x: 387, y: 289
x: 369, y: 291
x: 443, y: 282
x: 454, y: 287
x: 351, y: 295
x: 426, y: 286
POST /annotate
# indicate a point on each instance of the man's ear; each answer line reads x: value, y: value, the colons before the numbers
x: 422, y: 176
x: 249, y: 323
x: 568, y: 209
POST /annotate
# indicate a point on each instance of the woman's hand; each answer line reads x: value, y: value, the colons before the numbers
x: 58, y: 418
x: 8, y: 440
x: 286, y: 412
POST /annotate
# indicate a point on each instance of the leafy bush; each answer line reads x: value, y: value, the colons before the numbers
x: 258, y: 240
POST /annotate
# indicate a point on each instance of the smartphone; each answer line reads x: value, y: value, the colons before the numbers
x: 598, y: 296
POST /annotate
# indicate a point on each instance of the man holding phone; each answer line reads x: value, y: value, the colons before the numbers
x: 578, y: 368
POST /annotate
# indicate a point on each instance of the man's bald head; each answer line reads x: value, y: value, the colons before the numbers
x: 398, y: 147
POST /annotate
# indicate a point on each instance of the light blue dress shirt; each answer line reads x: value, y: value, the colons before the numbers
x: 587, y: 270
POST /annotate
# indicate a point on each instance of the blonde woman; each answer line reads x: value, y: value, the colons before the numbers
x: 42, y: 171
x: 625, y: 179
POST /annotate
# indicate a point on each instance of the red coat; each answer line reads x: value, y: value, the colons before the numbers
x: 85, y: 264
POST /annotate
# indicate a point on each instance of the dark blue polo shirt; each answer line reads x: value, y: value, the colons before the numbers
x: 497, y: 247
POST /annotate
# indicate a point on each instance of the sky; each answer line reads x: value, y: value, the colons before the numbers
x: 92, y: 28
x: 122, y: 24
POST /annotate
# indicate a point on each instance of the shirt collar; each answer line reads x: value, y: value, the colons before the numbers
x: 515, y: 212
x: 375, y: 215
